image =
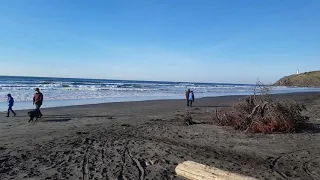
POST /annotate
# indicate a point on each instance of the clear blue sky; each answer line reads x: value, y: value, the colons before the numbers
x: 233, y: 41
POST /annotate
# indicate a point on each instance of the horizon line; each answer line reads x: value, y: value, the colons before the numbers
x: 124, y: 80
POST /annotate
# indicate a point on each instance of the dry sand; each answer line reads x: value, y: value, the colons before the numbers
x: 144, y: 140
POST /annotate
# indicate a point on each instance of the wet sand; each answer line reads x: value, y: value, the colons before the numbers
x: 145, y: 140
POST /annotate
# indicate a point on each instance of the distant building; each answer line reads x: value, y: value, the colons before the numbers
x: 298, y: 71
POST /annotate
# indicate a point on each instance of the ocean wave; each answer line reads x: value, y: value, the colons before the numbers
x: 67, y: 89
x: 46, y: 82
x: 65, y: 85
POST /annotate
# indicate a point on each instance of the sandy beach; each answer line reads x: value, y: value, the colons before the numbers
x: 145, y: 140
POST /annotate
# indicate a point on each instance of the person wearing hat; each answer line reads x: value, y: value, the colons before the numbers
x: 37, y: 100
x: 10, y: 104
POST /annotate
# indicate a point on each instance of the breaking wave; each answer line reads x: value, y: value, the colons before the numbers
x: 73, y: 89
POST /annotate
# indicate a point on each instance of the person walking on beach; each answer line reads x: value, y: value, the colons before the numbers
x: 187, y: 96
x: 37, y: 100
x: 10, y: 104
x: 190, y: 98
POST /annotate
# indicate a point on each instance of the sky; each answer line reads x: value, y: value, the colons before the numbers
x: 229, y: 41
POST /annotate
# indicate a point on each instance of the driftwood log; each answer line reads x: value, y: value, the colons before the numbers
x: 195, y: 171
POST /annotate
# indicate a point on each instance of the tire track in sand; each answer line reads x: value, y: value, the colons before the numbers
x: 85, y: 170
x: 302, y: 163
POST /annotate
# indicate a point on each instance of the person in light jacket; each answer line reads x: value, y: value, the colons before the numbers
x: 190, y: 98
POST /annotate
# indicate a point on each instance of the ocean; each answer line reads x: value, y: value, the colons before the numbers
x: 74, y: 91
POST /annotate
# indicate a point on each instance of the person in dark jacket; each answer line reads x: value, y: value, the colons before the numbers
x: 10, y: 104
x: 38, y: 100
x: 187, y: 96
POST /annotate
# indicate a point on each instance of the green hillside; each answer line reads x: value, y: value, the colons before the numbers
x: 307, y: 79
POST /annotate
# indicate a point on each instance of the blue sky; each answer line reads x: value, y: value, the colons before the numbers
x: 229, y: 41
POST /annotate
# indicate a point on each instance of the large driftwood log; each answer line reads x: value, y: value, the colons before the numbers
x: 195, y: 171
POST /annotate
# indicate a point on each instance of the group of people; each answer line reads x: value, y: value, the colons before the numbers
x: 37, y: 101
x: 189, y: 97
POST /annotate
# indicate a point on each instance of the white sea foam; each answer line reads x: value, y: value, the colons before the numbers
x: 76, y: 89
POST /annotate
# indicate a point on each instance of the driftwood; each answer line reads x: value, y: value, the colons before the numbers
x: 253, y: 111
x: 259, y: 100
x: 249, y: 118
x: 195, y: 171
x: 259, y: 113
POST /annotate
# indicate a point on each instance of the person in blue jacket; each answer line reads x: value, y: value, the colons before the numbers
x: 10, y: 104
x: 190, y: 98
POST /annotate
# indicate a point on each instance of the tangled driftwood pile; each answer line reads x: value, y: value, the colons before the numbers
x: 260, y: 114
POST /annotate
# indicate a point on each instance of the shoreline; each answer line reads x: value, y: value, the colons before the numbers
x: 67, y: 92
x: 26, y: 105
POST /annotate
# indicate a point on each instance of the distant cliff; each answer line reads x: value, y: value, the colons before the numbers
x: 307, y: 79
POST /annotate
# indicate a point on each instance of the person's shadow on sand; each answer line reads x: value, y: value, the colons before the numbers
x: 216, y: 106
x: 86, y: 116
x: 313, y: 128
x: 57, y: 120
